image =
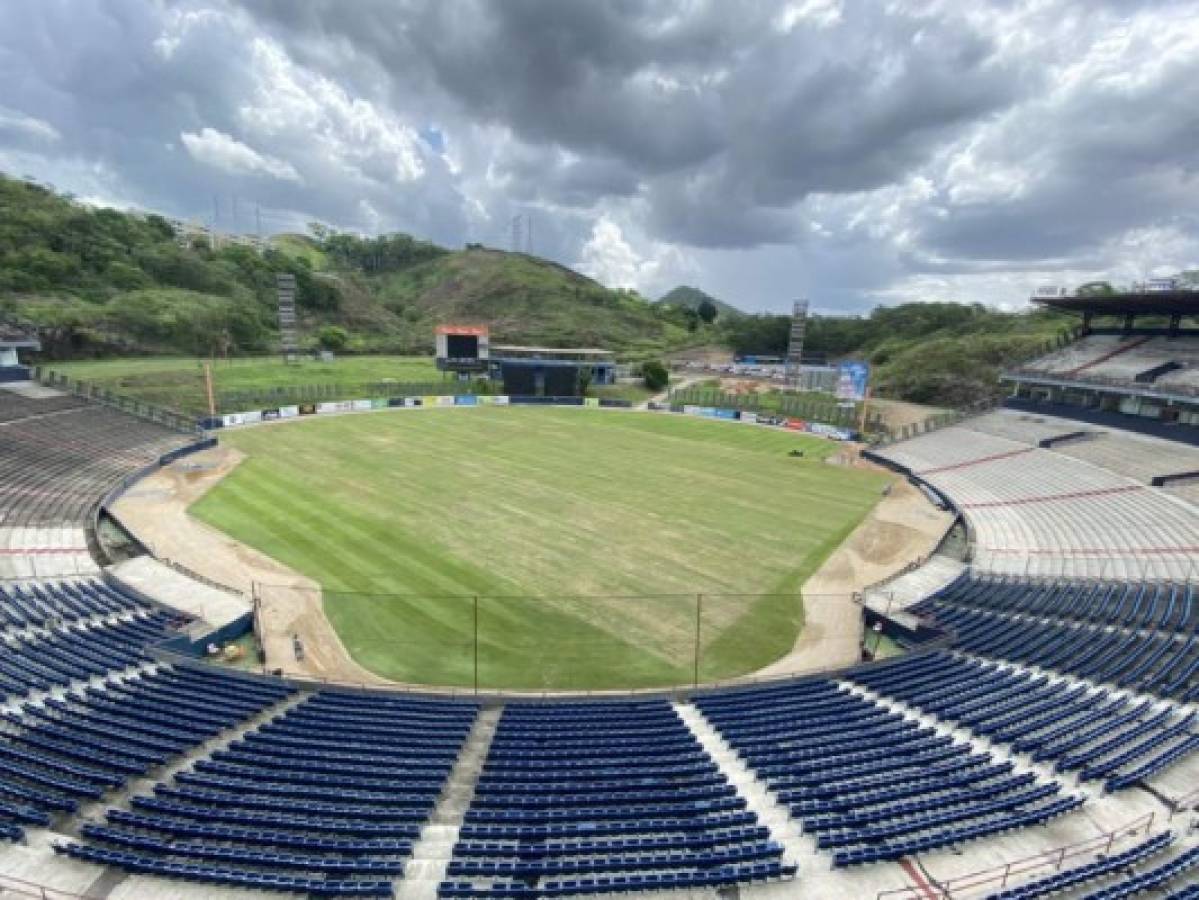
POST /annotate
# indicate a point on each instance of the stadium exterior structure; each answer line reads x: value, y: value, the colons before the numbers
x: 1140, y: 377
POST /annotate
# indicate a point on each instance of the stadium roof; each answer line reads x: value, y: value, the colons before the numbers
x: 1138, y: 303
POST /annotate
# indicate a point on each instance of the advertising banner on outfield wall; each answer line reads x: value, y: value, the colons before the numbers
x: 288, y: 412
x: 412, y: 401
x: 378, y: 403
x: 269, y: 415
x: 749, y: 417
x: 445, y: 401
x: 501, y: 400
x: 724, y: 413
x: 465, y: 400
x: 231, y: 420
x: 360, y: 405
x: 335, y: 406
x: 252, y: 417
x: 307, y: 409
x: 591, y: 401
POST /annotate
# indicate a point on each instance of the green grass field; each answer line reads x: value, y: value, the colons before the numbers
x: 178, y: 382
x: 588, y: 533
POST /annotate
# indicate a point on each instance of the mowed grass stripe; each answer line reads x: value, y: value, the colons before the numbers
x: 553, y: 503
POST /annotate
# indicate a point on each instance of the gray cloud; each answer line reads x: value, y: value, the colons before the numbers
x: 850, y: 152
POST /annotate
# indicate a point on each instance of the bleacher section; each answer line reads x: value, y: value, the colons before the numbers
x: 327, y: 798
x: 1134, y: 360
x: 586, y: 798
x: 1035, y: 511
x: 1089, y: 873
x: 1135, y: 635
x: 54, y: 468
x: 1103, y: 735
x: 24, y: 604
x: 870, y: 784
x: 59, y: 752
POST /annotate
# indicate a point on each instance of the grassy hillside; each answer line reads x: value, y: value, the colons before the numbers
x: 572, y: 524
x: 943, y: 354
x: 102, y: 281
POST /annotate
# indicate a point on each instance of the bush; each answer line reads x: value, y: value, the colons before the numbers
x: 655, y: 374
x: 333, y: 337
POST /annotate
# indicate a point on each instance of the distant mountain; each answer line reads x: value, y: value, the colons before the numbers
x: 691, y: 297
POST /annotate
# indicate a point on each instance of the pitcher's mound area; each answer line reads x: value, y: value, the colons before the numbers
x: 586, y: 536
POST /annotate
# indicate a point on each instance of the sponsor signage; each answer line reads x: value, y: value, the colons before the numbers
x: 501, y: 400
x: 231, y: 420
x: 465, y: 400
x: 360, y: 405
x: 306, y: 409
x: 288, y: 412
x: 591, y: 401
x: 270, y: 414
x: 750, y: 417
x: 852, y: 378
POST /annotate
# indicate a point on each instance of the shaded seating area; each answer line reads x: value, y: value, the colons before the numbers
x: 586, y: 798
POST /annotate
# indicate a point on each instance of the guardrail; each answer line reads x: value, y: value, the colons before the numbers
x: 997, y: 878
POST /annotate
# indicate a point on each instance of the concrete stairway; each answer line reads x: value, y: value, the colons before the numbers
x: 432, y: 852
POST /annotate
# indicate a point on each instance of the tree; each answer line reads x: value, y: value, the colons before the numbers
x: 655, y: 374
x: 707, y: 311
x: 584, y: 380
x: 333, y: 337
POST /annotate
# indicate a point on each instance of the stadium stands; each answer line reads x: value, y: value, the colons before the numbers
x: 331, y: 796
x: 54, y: 468
x: 585, y: 798
x: 866, y: 782
x: 1036, y: 511
x: 326, y: 798
x: 57, y: 753
x: 1114, y: 737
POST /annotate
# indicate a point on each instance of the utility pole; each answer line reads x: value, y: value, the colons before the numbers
x: 516, y: 233
x: 258, y: 219
x: 529, y: 234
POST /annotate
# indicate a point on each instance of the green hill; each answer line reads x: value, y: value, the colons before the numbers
x: 103, y: 281
x: 686, y: 297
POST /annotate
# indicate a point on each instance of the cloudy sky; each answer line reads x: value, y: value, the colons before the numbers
x: 849, y: 151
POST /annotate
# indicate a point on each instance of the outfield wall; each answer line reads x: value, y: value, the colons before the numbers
x: 341, y: 407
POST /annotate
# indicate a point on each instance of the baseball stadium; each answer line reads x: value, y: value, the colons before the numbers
x: 494, y: 637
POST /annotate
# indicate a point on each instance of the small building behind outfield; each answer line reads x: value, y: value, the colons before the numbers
x: 12, y: 341
x: 550, y: 371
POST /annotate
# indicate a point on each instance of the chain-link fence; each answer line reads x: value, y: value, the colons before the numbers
x: 552, y: 643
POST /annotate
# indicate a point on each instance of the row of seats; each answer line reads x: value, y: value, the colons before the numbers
x: 59, y: 752
x: 1100, y: 734
x: 1160, y: 606
x: 55, y: 657
x: 1080, y: 875
x: 1158, y: 877
x: 24, y: 604
x: 1153, y: 662
x: 868, y: 783
x: 621, y: 795
x: 328, y: 797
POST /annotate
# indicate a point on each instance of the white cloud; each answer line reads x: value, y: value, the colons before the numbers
x: 22, y: 125
x: 610, y: 258
x: 222, y: 151
x: 292, y: 102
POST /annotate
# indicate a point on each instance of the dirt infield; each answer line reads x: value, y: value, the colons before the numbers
x: 903, y: 527
x: 155, y: 510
